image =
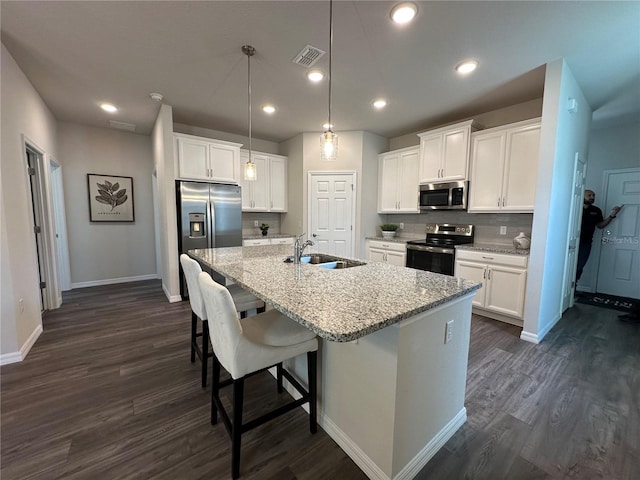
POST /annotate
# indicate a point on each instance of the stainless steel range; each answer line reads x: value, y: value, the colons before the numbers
x: 437, y: 252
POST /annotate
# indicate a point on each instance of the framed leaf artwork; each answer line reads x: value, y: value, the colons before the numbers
x: 110, y: 198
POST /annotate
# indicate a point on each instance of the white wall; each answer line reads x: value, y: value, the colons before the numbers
x: 162, y: 144
x: 609, y: 149
x: 562, y: 135
x: 369, y: 217
x: 23, y: 113
x: 291, y: 221
x: 105, y: 252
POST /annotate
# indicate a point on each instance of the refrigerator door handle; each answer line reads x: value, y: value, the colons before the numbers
x: 212, y: 221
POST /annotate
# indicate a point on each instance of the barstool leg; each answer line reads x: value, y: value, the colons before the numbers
x: 215, y: 389
x: 312, y: 372
x: 194, y: 325
x: 236, y: 428
x: 279, y: 377
x: 205, y: 352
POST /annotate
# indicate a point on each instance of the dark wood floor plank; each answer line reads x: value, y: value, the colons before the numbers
x: 108, y: 391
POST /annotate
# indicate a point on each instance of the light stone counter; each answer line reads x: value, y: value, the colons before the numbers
x: 493, y: 248
x: 339, y: 305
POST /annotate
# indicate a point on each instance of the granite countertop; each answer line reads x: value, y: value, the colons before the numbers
x: 493, y: 247
x: 394, y: 239
x: 339, y: 305
x: 259, y: 236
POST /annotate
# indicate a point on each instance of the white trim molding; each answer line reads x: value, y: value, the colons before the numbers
x: 13, y: 357
x: 111, y: 281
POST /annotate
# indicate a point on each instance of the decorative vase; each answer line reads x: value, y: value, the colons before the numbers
x: 388, y: 234
x: 264, y: 233
x: 522, y: 242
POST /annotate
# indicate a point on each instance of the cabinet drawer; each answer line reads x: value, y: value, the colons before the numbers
x: 256, y: 242
x: 493, y: 258
x: 282, y: 241
x: 397, y: 247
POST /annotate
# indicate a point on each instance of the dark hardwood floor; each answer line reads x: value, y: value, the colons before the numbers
x: 108, y: 392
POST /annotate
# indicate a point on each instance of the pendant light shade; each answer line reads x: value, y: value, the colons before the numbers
x: 328, y: 139
x: 250, y: 172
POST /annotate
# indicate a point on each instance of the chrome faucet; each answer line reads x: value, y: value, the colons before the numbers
x: 298, y: 248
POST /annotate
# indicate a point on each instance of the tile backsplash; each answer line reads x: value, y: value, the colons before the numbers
x: 487, y: 225
x: 248, y: 218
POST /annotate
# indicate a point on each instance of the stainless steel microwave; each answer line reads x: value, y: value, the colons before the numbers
x: 443, y: 196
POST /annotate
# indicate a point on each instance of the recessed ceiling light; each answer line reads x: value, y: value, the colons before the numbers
x: 156, y: 97
x: 467, y: 66
x: 315, y: 76
x: 404, y: 12
x: 379, y: 103
x: 107, y: 107
x: 268, y: 109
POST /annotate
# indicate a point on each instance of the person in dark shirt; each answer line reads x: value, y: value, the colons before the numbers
x: 591, y: 218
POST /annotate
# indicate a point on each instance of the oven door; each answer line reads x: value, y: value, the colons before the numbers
x: 432, y: 259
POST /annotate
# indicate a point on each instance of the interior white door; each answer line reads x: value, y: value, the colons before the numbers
x: 619, y: 266
x: 575, y: 220
x: 332, y: 212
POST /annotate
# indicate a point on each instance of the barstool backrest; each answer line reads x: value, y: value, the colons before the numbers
x: 192, y: 270
x: 225, y: 330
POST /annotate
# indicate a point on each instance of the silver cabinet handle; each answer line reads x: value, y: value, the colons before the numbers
x: 504, y: 200
x: 489, y: 275
x: 484, y: 273
x: 498, y: 201
x: 487, y: 258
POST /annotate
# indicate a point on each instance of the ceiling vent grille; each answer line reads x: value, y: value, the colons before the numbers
x: 129, y: 127
x: 308, y: 56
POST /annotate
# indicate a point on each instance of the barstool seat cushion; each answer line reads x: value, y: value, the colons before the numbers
x: 239, y: 346
x: 244, y: 300
x: 273, y: 329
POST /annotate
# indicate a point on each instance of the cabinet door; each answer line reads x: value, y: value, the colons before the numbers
x: 396, y: 258
x: 260, y: 187
x: 193, y: 158
x: 388, y: 172
x: 485, y: 184
x: 505, y: 290
x: 278, y: 184
x: 224, y: 162
x: 430, y: 158
x: 455, y: 154
x: 408, y: 182
x: 521, y: 168
x: 475, y: 272
x: 256, y: 242
x: 376, y: 255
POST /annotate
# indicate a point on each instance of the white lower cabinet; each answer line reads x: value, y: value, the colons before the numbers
x: 503, y: 278
x: 389, y: 252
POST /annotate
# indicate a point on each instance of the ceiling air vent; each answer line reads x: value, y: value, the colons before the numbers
x: 308, y: 56
x: 129, y: 127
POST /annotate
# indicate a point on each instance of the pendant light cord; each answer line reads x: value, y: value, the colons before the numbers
x: 249, y: 51
x: 330, y: 127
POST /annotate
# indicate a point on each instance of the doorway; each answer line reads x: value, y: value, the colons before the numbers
x: 34, y: 160
x: 575, y: 217
x: 619, y: 262
x: 332, y: 212
x: 60, y: 222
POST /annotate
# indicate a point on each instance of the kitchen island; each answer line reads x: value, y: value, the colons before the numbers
x: 393, y: 358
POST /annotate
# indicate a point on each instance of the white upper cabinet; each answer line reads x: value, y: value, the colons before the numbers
x: 504, y: 165
x: 398, y: 181
x: 199, y: 158
x: 444, y: 153
x: 268, y: 193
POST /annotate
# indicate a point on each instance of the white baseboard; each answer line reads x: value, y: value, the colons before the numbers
x: 19, y: 356
x: 171, y: 298
x: 537, y: 338
x: 529, y: 337
x: 111, y: 281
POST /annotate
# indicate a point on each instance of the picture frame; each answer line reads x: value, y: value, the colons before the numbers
x: 110, y: 198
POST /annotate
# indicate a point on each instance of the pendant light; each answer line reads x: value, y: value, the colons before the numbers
x: 328, y: 139
x: 250, y: 172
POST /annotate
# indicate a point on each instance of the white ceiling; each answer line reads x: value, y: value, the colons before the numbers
x: 78, y: 54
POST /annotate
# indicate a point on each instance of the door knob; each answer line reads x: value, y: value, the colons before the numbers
x: 314, y: 235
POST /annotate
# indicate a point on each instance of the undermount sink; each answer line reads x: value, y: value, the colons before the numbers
x: 330, y: 261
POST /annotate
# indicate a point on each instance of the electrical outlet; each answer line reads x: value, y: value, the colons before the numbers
x: 503, y: 230
x: 448, y: 332
x: 401, y: 225
x: 21, y: 304
x: 255, y: 223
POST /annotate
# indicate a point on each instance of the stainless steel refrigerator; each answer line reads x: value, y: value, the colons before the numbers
x: 209, y: 216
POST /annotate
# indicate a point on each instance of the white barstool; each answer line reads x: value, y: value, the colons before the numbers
x: 243, y: 300
x: 246, y: 346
